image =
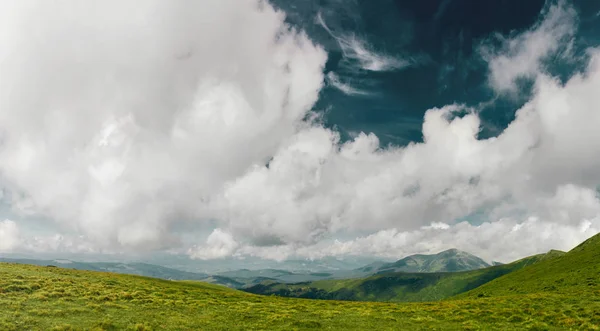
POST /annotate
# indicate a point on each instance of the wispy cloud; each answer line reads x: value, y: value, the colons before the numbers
x: 335, y: 81
x: 358, y: 54
x: 441, y: 9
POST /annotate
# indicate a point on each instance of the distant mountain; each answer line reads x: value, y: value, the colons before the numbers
x: 131, y: 268
x: 234, y: 279
x: 403, y: 286
x: 293, y: 271
x: 451, y: 260
x: 565, y: 297
x: 373, y: 267
x: 246, y: 273
x: 246, y: 277
x: 305, y: 271
x: 225, y: 281
x: 232, y: 264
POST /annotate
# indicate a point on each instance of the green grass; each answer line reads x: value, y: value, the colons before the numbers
x: 41, y: 298
x: 574, y: 273
x: 398, y: 286
x: 555, y: 293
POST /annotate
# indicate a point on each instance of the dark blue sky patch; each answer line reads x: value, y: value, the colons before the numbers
x: 440, y: 41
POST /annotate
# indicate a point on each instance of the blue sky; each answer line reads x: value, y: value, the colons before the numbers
x: 440, y: 40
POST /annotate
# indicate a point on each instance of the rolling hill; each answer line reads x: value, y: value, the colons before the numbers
x: 576, y: 272
x: 51, y: 298
x: 396, y: 286
x: 552, y: 274
x: 130, y: 268
x: 551, y: 291
x: 447, y: 261
x: 329, y: 268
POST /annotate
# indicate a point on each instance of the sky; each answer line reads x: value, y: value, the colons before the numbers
x: 307, y: 129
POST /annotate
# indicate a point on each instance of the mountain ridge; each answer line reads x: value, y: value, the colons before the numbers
x: 450, y: 260
x: 245, y: 277
x: 396, y: 286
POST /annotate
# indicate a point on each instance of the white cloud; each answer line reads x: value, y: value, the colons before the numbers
x: 358, y: 51
x: 125, y: 132
x: 542, y: 166
x: 58, y: 243
x: 219, y: 244
x: 120, y: 118
x: 505, y: 240
x: 438, y: 226
x: 9, y: 236
x: 334, y: 80
x: 359, y: 55
x: 522, y: 56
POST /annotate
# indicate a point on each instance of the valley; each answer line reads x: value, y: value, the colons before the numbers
x: 550, y: 291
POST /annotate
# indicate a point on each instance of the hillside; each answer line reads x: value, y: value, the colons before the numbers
x: 130, y: 268
x: 576, y: 272
x: 451, y: 260
x: 396, y: 287
x: 245, y: 277
x: 50, y: 298
x: 328, y: 268
x: 228, y: 279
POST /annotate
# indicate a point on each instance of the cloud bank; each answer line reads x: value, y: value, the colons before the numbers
x: 9, y: 236
x: 117, y: 119
x: 124, y: 128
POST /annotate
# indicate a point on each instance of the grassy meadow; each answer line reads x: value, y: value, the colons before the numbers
x: 559, y: 292
x: 46, y: 298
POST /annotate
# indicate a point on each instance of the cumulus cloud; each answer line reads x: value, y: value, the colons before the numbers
x: 68, y: 244
x: 543, y: 166
x: 9, y: 236
x: 503, y: 240
x: 490, y: 240
x: 124, y: 128
x: 219, y: 244
x: 119, y: 118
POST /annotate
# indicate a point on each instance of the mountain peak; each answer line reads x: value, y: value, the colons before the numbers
x: 452, y: 250
x: 445, y: 261
x: 593, y: 241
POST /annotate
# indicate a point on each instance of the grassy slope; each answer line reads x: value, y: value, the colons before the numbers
x: 396, y: 287
x: 43, y: 298
x: 131, y: 268
x: 575, y: 273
